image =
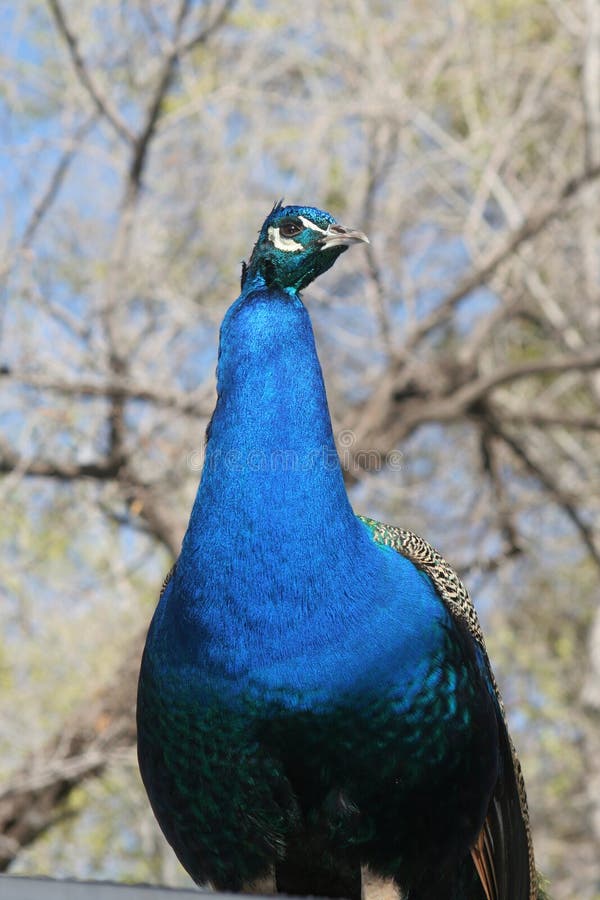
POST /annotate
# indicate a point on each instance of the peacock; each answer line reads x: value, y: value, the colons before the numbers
x: 315, y: 697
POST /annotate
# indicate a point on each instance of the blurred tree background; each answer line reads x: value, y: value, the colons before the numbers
x: 142, y: 144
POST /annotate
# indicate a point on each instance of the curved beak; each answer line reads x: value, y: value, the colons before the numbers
x: 339, y: 236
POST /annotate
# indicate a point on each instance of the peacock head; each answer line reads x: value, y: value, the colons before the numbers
x: 296, y: 244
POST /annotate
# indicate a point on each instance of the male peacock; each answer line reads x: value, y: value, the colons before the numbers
x: 315, y: 694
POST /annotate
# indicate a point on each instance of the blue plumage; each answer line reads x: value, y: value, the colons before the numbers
x: 309, y: 702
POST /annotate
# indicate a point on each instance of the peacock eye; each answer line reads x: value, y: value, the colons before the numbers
x: 290, y: 229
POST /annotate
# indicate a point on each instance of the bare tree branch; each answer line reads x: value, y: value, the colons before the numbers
x: 50, y: 193
x: 197, y: 404
x: 551, y: 484
x: 101, y: 102
x: 503, y: 509
x: 154, y: 510
x: 533, y: 224
x: 590, y: 83
x: 382, y: 148
x: 164, y: 80
x: 55, y: 182
x: 465, y: 396
x: 139, y: 496
x: 544, y: 418
x: 208, y: 30
x: 403, y: 402
x: 106, y: 470
x: 32, y: 800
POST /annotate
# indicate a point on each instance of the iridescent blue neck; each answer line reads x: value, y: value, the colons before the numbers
x: 272, y: 487
x: 274, y: 561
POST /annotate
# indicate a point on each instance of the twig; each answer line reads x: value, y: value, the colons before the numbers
x: 532, y: 226
x: 101, y: 102
x: 470, y: 393
x: 549, y: 418
x: 120, y: 388
x: 379, y: 165
x: 503, y: 507
x: 202, y: 36
x: 110, y: 469
x: 560, y: 496
x: 163, y: 82
x: 55, y: 182
x: 103, y: 470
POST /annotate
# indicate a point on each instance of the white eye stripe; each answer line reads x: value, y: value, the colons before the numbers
x: 282, y: 243
x: 308, y: 224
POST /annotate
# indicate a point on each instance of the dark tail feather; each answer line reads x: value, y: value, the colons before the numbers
x: 502, y: 854
x: 483, y: 860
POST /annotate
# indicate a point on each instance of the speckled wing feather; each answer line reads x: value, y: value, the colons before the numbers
x: 456, y: 597
x: 168, y: 577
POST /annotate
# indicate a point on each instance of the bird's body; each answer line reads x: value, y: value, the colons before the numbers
x: 312, y: 700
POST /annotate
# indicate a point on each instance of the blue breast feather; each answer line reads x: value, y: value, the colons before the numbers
x: 275, y: 599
